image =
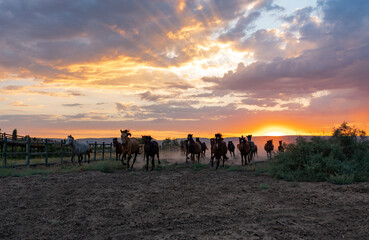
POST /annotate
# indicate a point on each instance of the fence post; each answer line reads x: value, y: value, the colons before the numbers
x: 111, y: 149
x: 61, y: 151
x: 95, y: 151
x: 46, y: 152
x: 28, y: 151
x: 103, y: 151
x: 5, y: 148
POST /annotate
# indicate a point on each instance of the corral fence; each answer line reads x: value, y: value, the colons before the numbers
x: 26, y: 151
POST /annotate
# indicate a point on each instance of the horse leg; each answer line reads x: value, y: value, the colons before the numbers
x: 134, y: 160
x: 128, y: 159
x: 158, y: 158
x: 223, y: 160
x: 88, y: 154
x: 80, y: 157
x: 123, y: 155
x: 147, y: 162
x: 72, y: 158
x: 218, y: 159
x: 153, y: 163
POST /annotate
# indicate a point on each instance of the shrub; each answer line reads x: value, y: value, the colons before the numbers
x: 341, y: 179
x: 342, y: 158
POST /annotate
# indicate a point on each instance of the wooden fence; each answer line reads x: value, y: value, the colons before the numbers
x: 44, y: 149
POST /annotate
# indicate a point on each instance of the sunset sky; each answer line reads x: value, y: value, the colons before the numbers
x: 168, y: 68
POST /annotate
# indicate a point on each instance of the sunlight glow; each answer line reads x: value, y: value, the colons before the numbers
x: 275, y: 133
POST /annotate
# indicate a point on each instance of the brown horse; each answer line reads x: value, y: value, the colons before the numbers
x: 130, y: 146
x: 151, y: 149
x: 203, y: 147
x: 194, y: 148
x: 244, y: 149
x: 269, y: 147
x: 219, y: 149
x: 212, y: 141
x: 231, y: 148
x: 280, y: 147
x: 253, y: 148
x: 118, y: 148
x: 183, y: 148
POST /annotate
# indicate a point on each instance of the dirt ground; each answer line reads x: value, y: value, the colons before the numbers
x: 179, y: 203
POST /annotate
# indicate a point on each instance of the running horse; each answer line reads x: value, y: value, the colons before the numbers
x: 78, y: 149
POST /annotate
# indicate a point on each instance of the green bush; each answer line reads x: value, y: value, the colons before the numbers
x: 341, y: 179
x: 342, y: 158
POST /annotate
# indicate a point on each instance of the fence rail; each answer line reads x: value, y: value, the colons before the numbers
x: 44, y: 150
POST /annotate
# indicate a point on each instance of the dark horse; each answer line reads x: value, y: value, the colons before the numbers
x: 231, y: 148
x: 269, y: 147
x: 118, y: 148
x: 183, y: 148
x: 244, y: 149
x: 194, y: 148
x: 219, y: 149
x: 280, y: 147
x: 151, y: 149
x: 203, y: 147
x: 253, y: 148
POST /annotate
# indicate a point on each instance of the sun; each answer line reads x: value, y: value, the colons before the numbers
x: 275, y: 133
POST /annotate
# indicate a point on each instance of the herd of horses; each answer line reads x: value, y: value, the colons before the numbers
x: 191, y: 148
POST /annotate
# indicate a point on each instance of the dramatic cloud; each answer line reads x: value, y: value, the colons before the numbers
x: 45, y: 37
x: 186, y: 65
x: 338, y: 60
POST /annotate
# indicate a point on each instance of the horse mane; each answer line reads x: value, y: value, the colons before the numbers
x: 144, y: 138
x: 218, y: 135
x: 126, y: 131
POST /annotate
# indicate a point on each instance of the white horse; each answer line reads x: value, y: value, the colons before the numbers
x: 78, y: 149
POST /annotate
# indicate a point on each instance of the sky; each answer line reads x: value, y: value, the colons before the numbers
x: 168, y: 68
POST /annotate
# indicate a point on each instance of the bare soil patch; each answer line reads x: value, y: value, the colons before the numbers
x: 179, y: 203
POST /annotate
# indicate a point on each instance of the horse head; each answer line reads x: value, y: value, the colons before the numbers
x: 146, y: 139
x: 218, y: 137
x: 69, y: 140
x: 249, y: 138
x: 115, y: 141
x: 124, y: 136
x: 189, y: 137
